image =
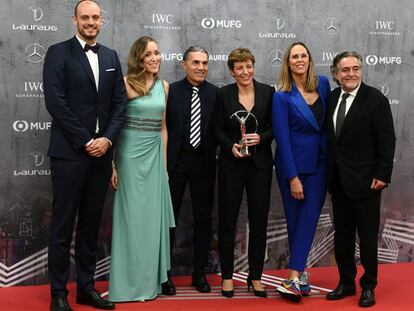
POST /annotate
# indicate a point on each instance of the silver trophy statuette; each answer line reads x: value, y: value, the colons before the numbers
x: 242, y: 116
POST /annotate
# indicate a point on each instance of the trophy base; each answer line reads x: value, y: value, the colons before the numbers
x: 244, y: 150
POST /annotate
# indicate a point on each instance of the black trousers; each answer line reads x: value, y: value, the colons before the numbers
x: 79, y: 188
x: 351, y: 216
x: 231, y: 184
x: 192, y: 168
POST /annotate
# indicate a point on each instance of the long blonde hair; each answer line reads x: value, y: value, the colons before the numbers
x: 135, y: 74
x: 285, y: 82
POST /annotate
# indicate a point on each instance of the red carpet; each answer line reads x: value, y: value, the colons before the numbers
x: 396, y: 285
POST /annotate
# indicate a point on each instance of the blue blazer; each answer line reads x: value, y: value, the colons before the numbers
x: 299, y: 138
x: 73, y: 101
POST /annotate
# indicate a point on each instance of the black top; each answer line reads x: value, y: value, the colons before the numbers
x: 227, y: 128
x: 317, y: 110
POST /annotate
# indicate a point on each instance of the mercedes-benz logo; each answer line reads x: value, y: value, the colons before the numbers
x: 34, y: 53
x: 279, y: 21
x: 276, y: 58
x: 105, y: 19
x: 38, y: 158
x: 37, y: 13
x: 20, y: 126
x: 384, y: 88
x: 332, y: 26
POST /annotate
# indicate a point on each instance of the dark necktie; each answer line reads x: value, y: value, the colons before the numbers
x: 340, y: 117
x: 93, y: 48
x: 195, y: 119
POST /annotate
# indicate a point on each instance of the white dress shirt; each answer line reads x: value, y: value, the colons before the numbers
x: 348, y: 105
x: 94, y: 63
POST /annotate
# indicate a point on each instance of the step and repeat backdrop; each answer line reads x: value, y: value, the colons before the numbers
x: 380, y: 30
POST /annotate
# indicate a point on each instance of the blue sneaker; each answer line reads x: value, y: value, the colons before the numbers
x: 304, y: 286
x: 290, y: 289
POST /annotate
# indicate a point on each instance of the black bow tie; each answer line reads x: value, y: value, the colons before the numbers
x: 93, y: 48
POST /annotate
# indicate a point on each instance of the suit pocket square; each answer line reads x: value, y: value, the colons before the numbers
x: 110, y: 69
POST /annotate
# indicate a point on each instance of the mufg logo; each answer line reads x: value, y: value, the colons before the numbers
x: 373, y: 60
x: 210, y: 23
x: 23, y: 126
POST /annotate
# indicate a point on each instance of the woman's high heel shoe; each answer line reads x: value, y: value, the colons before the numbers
x: 258, y: 293
x: 226, y: 293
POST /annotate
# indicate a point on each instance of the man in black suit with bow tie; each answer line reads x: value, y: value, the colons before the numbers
x: 191, y: 156
x: 360, y: 160
x: 85, y: 95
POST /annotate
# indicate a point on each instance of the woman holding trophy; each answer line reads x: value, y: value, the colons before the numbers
x: 299, y: 114
x: 244, y: 133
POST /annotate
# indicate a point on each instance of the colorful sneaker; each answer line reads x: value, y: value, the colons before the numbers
x: 304, y: 286
x: 290, y: 289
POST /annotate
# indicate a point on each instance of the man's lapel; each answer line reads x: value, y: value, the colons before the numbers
x: 102, y: 67
x: 355, y: 108
x: 83, y: 59
x: 205, y: 108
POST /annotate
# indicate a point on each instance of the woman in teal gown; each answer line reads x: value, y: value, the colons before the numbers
x: 142, y: 213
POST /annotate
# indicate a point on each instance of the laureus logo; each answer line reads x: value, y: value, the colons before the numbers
x: 37, y: 13
x: 384, y: 88
x: 279, y: 22
x: 38, y: 158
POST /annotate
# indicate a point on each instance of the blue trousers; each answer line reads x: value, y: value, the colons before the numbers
x: 302, y: 215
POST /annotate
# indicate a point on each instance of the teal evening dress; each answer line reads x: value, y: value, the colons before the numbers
x: 142, y: 213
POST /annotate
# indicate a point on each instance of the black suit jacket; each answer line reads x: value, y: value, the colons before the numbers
x: 365, y: 147
x: 73, y: 101
x: 179, y: 95
x: 228, y: 130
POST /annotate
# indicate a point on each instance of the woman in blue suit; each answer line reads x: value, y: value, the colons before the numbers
x: 299, y: 114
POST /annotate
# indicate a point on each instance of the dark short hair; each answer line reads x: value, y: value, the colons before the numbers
x: 337, y: 59
x: 193, y: 49
x: 240, y: 55
x: 79, y: 2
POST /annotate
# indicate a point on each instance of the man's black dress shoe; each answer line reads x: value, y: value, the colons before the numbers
x: 199, y: 281
x: 93, y: 298
x: 60, y: 304
x: 168, y: 288
x: 341, y: 291
x: 367, y: 298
